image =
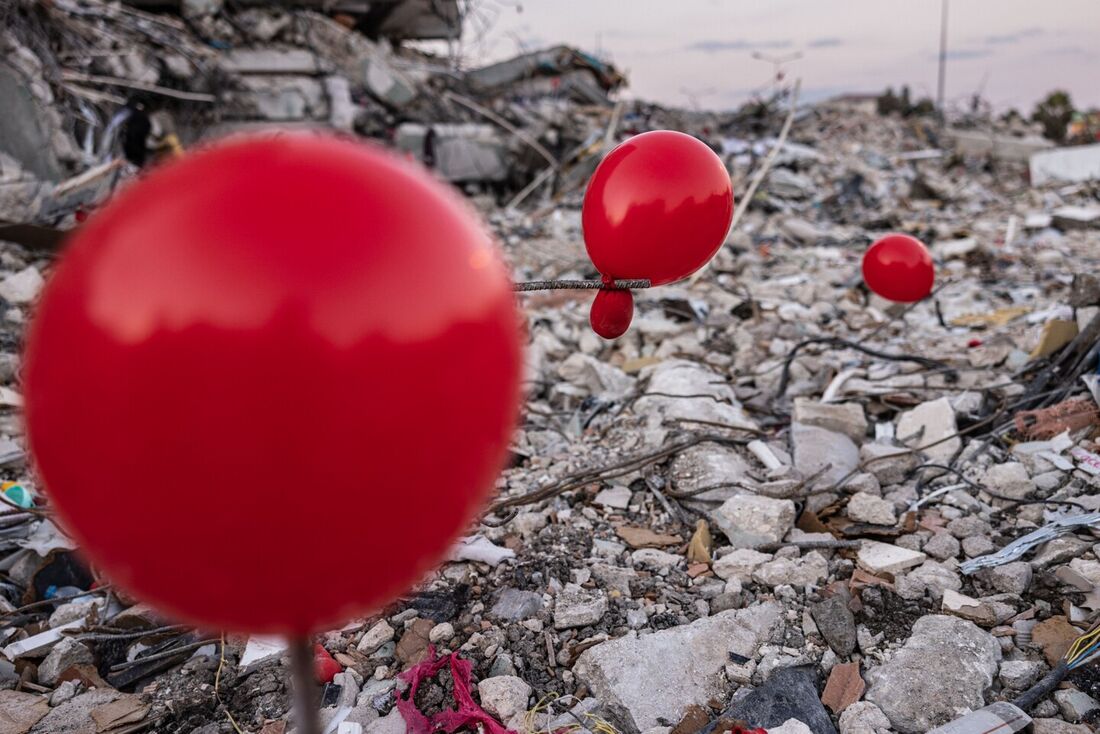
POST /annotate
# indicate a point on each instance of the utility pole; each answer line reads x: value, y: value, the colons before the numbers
x: 943, y: 63
x: 777, y: 66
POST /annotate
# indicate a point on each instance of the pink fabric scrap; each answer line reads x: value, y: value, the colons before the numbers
x: 468, y: 713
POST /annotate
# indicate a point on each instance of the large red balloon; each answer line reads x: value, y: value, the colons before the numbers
x: 899, y: 268
x: 268, y: 384
x: 658, y: 207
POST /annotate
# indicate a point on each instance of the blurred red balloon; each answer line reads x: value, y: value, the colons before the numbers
x: 612, y: 311
x: 899, y: 268
x: 658, y: 207
x: 268, y: 384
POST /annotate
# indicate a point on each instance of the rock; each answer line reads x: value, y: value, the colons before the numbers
x: 791, y: 726
x: 1057, y: 726
x: 815, y: 449
x: 968, y: 527
x: 977, y: 545
x: 934, y: 421
x: 789, y: 693
x: 1074, y: 704
x: 866, y: 483
x: 708, y: 465
x: 930, y: 577
x: 871, y: 509
x: 680, y: 377
x: 392, y: 723
x: 942, y: 546
x: 613, y: 578
x: 75, y: 715
x: 577, y: 607
x: 1088, y: 570
x: 846, y: 418
x: 885, y: 558
x: 413, y: 645
x: 597, y: 377
x: 1010, y: 578
x: 655, y: 559
x: 1010, y: 480
x: 63, y: 656
x: 617, y: 498
x: 740, y: 564
x: 837, y: 625
x: 480, y: 549
x: 749, y: 521
x: 888, y: 464
x: 375, y: 637
x: 810, y: 570
x: 1019, y: 675
x: 504, y: 696
x: 968, y: 608
x: 657, y: 676
x: 941, y: 671
x: 442, y: 632
x: 864, y: 718
x: 1059, y: 550
x: 845, y: 687
x: 20, y: 711
x: 64, y: 692
x: 514, y: 605
x: 21, y: 287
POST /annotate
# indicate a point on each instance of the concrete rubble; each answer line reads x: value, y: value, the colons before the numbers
x: 841, y: 483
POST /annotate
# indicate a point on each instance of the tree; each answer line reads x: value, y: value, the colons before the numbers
x: 1054, y: 113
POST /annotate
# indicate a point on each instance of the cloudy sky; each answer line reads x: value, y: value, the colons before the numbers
x: 676, y: 51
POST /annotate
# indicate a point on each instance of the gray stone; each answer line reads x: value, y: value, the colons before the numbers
x: 1074, y: 704
x: 375, y: 637
x: 617, y: 498
x: 657, y: 676
x: 1010, y: 578
x: 790, y: 692
x: 441, y: 633
x: 514, y: 605
x: 64, y: 692
x: 934, y: 421
x: 504, y: 696
x: 846, y: 418
x: 680, y: 377
x: 708, y: 465
x: 968, y: 527
x: 942, y: 546
x: 266, y: 60
x: 871, y: 509
x: 596, y: 376
x: 977, y: 545
x: 1019, y: 675
x: 815, y: 449
x: 577, y: 607
x: 863, y: 717
x: 885, y: 558
x: 865, y: 483
x: 930, y: 577
x: 614, y: 578
x: 740, y: 564
x: 790, y: 726
x: 969, y: 608
x: 21, y: 287
x: 63, y: 656
x: 810, y: 570
x: 837, y: 625
x: 1059, y: 550
x: 941, y: 671
x: 75, y: 715
x: 1057, y: 726
x: 1010, y: 480
x: 654, y: 559
x: 888, y: 464
x: 749, y: 521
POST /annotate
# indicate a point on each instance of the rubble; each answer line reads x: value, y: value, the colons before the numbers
x: 871, y: 518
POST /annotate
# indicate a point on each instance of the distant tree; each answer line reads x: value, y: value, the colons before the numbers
x: 887, y: 102
x: 923, y: 108
x: 1054, y: 113
x: 906, y: 105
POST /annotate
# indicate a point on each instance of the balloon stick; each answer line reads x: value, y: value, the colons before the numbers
x: 556, y: 285
x: 305, y: 686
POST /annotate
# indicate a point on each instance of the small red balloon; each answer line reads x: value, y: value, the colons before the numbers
x: 269, y: 383
x: 658, y: 207
x: 612, y: 312
x: 325, y: 666
x: 899, y: 268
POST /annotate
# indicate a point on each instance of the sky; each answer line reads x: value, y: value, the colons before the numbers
x: 699, y: 52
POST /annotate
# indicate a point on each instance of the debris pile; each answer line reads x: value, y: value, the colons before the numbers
x: 776, y: 502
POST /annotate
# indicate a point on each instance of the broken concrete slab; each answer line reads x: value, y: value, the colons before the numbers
x: 749, y: 521
x: 929, y: 423
x: 656, y: 676
x: 846, y: 418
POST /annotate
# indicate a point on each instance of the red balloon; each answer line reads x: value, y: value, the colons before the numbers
x: 612, y: 311
x: 268, y: 384
x: 899, y: 268
x: 658, y: 207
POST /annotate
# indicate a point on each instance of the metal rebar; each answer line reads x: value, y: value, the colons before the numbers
x: 305, y: 686
x: 555, y: 285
